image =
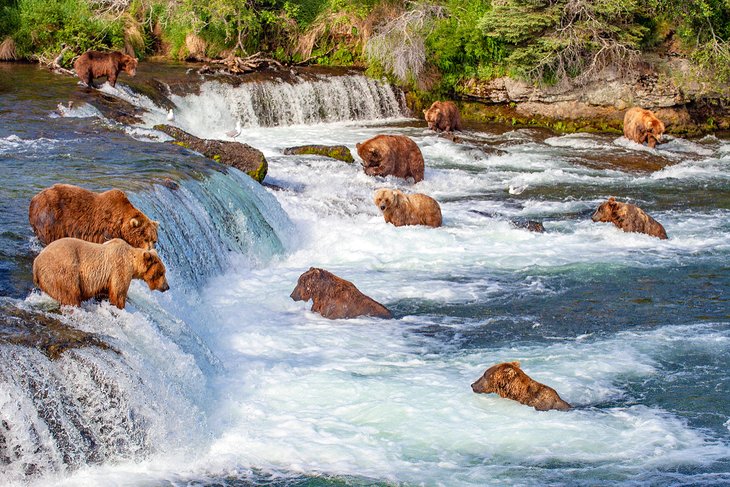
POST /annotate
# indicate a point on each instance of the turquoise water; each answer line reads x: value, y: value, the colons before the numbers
x: 225, y: 380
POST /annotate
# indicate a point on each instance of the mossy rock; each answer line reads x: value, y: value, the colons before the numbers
x: 339, y: 152
x: 35, y: 329
x: 235, y: 154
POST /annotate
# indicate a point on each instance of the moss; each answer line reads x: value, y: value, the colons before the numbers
x: 216, y: 157
x: 181, y: 144
x: 260, y: 173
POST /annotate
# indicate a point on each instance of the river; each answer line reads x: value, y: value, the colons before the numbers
x: 225, y: 380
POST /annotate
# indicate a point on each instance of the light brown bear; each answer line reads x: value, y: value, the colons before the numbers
x: 508, y: 380
x: 629, y: 218
x: 642, y: 126
x: 334, y: 297
x: 443, y: 116
x: 95, y: 64
x: 395, y: 155
x: 407, y: 209
x: 71, y: 270
x: 64, y: 210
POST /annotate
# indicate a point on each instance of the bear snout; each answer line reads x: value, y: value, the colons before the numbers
x: 296, y: 294
x: 382, y: 207
x: 165, y: 286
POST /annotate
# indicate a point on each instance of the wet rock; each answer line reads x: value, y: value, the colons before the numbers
x: 235, y: 154
x: 531, y: 225
x: 43, y: 332
x: 339, y: 152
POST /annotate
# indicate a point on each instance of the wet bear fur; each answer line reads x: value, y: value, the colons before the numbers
x: 391, y: 155
x: 407, y: 209
x: 509, y: 381
x: 64, y: 210
x: 334, y: 297
x: 642, y: 125
x: 629, y: 218
x: 443, y: 116
x: 71, y: 270
x: 95, y: 64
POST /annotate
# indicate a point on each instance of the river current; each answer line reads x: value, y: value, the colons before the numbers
x: 225, y: 380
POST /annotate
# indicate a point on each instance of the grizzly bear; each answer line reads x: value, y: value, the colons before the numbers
x: 71, y: 270
x: 508, y: 380
x: 64, y: 210
x: 407, y: 209
x: 94, y: 64
x: 334, y: 297
x: 443, y: 116
x: 629, y: 218
x: 395, y: 155
x: 642, y: 126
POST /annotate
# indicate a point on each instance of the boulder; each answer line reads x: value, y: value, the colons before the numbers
x: 339, y: 152
x: 235, y: 154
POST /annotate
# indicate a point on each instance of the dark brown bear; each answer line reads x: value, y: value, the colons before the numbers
x: 334, y: 297
x: 509, y: 381
x: 71, y: 270
x: 95, y: 64
x: 395, y: 155
x: 443, y: 116
x: 629, y: 218
x: 64, y: 210
x: 642, y: 125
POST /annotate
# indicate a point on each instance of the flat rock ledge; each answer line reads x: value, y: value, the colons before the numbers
x: 41, y: 331
x: 235, y: 154
x: 339, y: 152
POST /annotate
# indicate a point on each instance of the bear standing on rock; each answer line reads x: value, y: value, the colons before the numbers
x: 395, y: 155
x: 509, y: 381
x: 64, y: 210
x: 629, y: 218
x: 95, y: 64
x: 443, y: 116
x: 71, y: 270
x: 642, y: 126
x: 408, y: 209
x: 334, y: 297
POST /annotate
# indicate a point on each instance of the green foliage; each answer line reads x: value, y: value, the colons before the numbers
x: 43, y: 27
x: 458, y: 48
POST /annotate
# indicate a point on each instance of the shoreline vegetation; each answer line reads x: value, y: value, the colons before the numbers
x: 569, y: 65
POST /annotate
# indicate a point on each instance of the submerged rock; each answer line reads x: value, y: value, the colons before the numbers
x: 339, y: 152
x: 45, y: 333
x: 235, y: 154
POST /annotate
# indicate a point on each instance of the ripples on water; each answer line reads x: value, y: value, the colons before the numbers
x: 227, y: 381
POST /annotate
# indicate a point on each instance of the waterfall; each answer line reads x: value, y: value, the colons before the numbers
x: 204, y: 222
x: 147, y: 391
x: 280, y: 103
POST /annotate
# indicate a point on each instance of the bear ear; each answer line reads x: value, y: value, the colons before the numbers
x: 424, y: 111
x: 612, y: 200
x: 149, y: 258
x: 516, y: 363
x: 156, y: 223
x: 357, y: 146
x: 134, y: 222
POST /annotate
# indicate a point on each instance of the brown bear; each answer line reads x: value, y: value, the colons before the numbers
x: 71, y: 270
x: 407, y: 209
x: 64, y: 210
x: 642, y: 126
x: 334, y: 297
x: 629, y: 218
x: 443, y: 116
x: 508, y: 380
x: 395, y: 155
x: 94, y: 64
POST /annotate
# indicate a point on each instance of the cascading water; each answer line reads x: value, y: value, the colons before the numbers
x: 225, y: 380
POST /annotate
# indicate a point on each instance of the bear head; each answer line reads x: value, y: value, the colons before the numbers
x: 153, y: 271
x: 370, y: 154
x: 307, y: 284
x: 433, y: 117
x: 139, y: 231
x: 386, y: 198
x: 654, y: 131
x: 128, y: 64
x: 607, y: 211
x: 497, y: 377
